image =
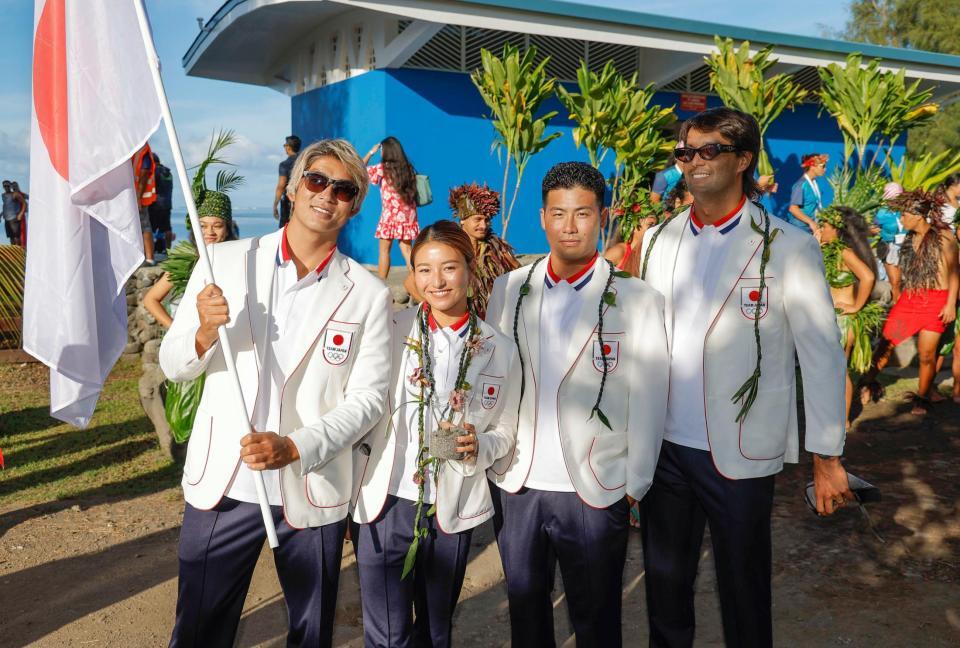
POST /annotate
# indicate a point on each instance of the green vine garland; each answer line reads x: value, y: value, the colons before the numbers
x: 608, y: 298
x: 423, y: 376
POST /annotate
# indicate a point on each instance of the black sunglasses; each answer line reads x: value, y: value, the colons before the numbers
x: 706, y: 152
x: 343, y: 190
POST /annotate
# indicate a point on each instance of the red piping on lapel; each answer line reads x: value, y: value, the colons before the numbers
x: 589, y: 463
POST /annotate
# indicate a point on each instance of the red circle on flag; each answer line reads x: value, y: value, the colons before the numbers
x: 606, y: 349
x: 490, y: 391
x: 754, y: 295
x: 338, y: 339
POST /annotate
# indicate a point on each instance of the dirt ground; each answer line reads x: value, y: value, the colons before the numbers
x: 99, y: 573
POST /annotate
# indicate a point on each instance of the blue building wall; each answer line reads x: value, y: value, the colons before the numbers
x: 439, y: 118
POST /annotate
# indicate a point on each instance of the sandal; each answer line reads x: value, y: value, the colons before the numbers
x: 921, y: 406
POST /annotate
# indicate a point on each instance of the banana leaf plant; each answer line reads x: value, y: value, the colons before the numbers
x: 741, y: 79
x: 513, y: 86
x: 872, y: 105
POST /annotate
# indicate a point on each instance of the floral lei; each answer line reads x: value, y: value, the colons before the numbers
x: 423, y: 377
x: 748, y: 391
x: 609, y: 298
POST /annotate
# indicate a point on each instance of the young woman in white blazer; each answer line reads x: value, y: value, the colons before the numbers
x: 414, y: 512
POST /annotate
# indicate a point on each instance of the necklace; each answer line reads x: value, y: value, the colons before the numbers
x: 608, y: 298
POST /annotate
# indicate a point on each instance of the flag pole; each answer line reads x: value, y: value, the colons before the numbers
x: 204, y: 261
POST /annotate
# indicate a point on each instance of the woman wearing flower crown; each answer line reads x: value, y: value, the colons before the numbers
x: 453, y: 402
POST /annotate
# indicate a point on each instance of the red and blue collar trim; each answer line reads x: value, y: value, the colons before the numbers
x: 578, y: 280
x: 283, y: 254
x: 725, y: 225
x: 460, y: 326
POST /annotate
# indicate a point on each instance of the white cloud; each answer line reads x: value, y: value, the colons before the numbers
x: 15, y: 156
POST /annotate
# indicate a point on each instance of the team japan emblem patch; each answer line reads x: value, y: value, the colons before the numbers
x: 336, y: 346
x: 489, y: 395
x: 611, y: 349
x: 751, y: 301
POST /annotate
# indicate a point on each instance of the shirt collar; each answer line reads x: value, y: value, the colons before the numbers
x: 725, y: 225
x: 459, y: 327
x: 577, y: 280
x: 283, y: 254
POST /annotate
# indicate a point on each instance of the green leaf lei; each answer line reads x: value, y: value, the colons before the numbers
x: 748, y: 391
x: 423, y: 376
x: 608, y: 298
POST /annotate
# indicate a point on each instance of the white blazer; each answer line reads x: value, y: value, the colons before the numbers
x: 797, y: 317
x: 603, y: 463
x: 462, y: 494
x: 333, y: 397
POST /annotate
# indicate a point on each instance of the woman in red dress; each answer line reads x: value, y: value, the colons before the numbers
x: 398, y: 194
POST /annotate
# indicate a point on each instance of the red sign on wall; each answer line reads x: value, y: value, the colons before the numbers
x: 693, y: 102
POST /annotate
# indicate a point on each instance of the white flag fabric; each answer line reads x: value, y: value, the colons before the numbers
x: 94, y: 106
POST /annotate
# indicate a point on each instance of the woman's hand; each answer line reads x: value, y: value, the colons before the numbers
x: 469, y: 447
x: 949, y: 313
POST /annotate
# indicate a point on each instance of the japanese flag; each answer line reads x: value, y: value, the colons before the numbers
x: 94, y: 106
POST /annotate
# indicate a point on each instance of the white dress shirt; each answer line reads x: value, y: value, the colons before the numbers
x: 700, y: 256
x: 446, y: 345
x: 559, y: 307
x: 288, y: 295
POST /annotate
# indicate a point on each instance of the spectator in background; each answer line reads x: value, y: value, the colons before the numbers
x: 160, y: 209
x: 950, y: 190
x: 291, y: 146
x: 14, y: 207
x: 26, y: 211
x: 665, y: 180
x: 892, y: 234
x: 398, y: 195
x: 145, y: 184
x: 805, y: 196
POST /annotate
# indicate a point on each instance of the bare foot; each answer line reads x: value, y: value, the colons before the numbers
x: 956, y: 399
x: 919, y: 410
x: 936, y: 397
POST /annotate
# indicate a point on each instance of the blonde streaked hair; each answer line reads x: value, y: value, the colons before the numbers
x: 337, y: 148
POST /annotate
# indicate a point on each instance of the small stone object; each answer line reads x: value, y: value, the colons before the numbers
x: 76, y: 508
x: 443, y: 442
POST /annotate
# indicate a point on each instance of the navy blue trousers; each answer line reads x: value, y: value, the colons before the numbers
x: 218, y: 552
x: 431, y: 591
x: 535, y: 530
x: 688, y: 492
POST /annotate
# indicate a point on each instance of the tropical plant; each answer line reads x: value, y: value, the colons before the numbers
x: 872, y: 105
x: 861, y: 191
x: 925, y: 172
x: 514, y: 86
x: 12, y: 268
x: 614, y: 113
x: 741, y: 81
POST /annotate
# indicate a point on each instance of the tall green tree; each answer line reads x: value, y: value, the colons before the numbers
x: 920, y: 24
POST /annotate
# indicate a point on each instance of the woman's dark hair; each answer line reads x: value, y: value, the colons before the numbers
x: 572, y: 175
x: 676, y: 195
x: 448, y: 233
x: 856, y: 234
x: 740, y: 129
x: 398, y: 170
x: 949, y: 181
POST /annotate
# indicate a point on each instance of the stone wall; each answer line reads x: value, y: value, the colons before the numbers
x: 143, y: 331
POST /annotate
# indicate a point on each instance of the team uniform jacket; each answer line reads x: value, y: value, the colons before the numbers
x: 462, y: 494
x: 334, y: 397
x: 797, y: 317
x: 603, y: 463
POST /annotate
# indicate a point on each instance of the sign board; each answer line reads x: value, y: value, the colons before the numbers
x: 693, y: 102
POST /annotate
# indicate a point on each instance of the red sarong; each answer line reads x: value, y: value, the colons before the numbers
x: 914, y: 312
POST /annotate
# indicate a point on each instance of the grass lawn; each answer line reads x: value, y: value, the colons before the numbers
x: 117, y: 456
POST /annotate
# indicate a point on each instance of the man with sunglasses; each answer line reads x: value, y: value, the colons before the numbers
x: 725, y: 306
x: 806, y: 199
x: 310, y: 330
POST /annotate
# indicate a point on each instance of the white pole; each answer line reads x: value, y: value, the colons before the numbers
x: 204, y: 260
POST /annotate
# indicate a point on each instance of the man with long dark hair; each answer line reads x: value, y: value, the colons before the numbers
x: 738, y: 283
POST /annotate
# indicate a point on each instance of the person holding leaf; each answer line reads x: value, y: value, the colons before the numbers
x: 745, y: 294
x: 454, y: 395
x: 593, y: 394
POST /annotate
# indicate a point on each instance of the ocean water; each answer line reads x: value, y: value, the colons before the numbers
x: 253, y: 222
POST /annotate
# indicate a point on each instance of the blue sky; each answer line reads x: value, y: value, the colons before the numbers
x: 261, y: 117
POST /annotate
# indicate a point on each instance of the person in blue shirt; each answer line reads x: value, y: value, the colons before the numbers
x: 665, y: 180
x: 892, y: 233
x: 805, y: 196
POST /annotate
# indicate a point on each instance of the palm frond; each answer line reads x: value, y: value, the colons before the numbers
x: 228, y: 180
x: 218, y: 143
